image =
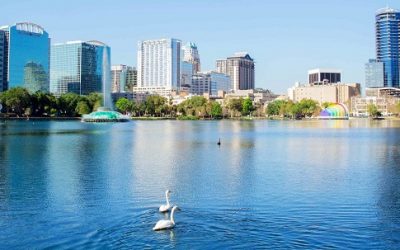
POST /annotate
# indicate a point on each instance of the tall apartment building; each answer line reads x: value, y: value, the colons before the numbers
x: 210, y: 83
x: 24, y: 57
x: 387, y: 24
x: 240, y: 67
x: 82, y: 68
x: 324, y: 76
x: 159, y: 66
x: 191, y: 55
x: 123, y: 78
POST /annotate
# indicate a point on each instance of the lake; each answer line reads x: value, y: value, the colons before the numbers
x: 271, y: 184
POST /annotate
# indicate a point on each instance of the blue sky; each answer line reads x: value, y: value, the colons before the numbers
x: 285, y: 37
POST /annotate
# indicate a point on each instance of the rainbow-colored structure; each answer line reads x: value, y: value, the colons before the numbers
x: 338, y: 111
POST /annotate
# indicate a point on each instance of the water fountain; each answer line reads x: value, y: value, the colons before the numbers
x: 105, y: 115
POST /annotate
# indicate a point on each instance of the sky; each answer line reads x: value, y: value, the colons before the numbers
x: 286, y: 38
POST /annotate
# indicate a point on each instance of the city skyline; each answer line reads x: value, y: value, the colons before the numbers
x: 294, y: 44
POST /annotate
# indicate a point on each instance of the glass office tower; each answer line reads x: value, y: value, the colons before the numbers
x: 388, y: 44
x: 3, y: 75
x: 26, y: 49
x: 374, y: 74
x: 82, y: 68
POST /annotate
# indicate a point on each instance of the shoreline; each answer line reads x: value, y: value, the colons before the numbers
x: 178, y: 119
x: 40, y: 118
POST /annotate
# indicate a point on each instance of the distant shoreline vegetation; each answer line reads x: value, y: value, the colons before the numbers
x: 199, y: 108
x: 20, y: 103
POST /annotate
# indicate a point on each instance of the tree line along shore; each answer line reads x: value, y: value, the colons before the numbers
x: 18, y: 102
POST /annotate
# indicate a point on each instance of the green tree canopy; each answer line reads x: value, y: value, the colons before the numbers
x: 194, y: 106
x: 247, y: 106
x: 308, y: 107
x: 95, y: 100
x: 16, y: 100
x: 43, y: 103
x: 372, y: 110
x: 123, y: 105
x: 235, y: 106
x: 67, y: 104
x: 275, y: 108
x: 156, y: 105
x: 216, y: 110
x: 82, y: 108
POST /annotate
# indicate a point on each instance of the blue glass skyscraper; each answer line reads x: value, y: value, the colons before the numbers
x: 3, y: 75
x: 26, y: 56
x: 82, y: 68
x: 388, y: 44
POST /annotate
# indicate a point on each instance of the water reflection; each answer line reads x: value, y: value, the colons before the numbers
x: 388, y: 201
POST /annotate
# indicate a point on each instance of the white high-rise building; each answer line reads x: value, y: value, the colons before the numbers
x: 159, y: 66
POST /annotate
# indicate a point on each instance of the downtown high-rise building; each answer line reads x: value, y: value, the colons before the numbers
x: 324, y: 76
x: 374, y: 74
x: 191, y: 55
x: 210, y: 83
x: 3, y: 69
x: 159, y: 66
x: 123, y: 78
x: 240, y: 68
x: 24, y: 57
x: 81, y: 68
x: 387, y: 23
x: 187, y: 72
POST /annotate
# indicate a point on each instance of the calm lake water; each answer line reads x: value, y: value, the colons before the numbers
x: 271, y: 184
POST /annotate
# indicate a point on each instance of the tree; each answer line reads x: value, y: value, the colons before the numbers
x: 123, y: 105
x: 16, y: 100
x: 67, y: 103
x: 82, y: 108
x: 247, y: 106
x: 290, y: 109
x: 195, y: 106
x: 43, y: 103
x: 297, y: 111
x: 95, y: 100
x: 155, y: 105
x: 197, y: 101
x: 142, y: 108
x: 308, y: 107
x: 372, y: 110
x: 235, y: 106
x: 216, y: 110
x: 276, y: 108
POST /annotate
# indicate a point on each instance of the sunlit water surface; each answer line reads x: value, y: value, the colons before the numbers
x: 271, y: 184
